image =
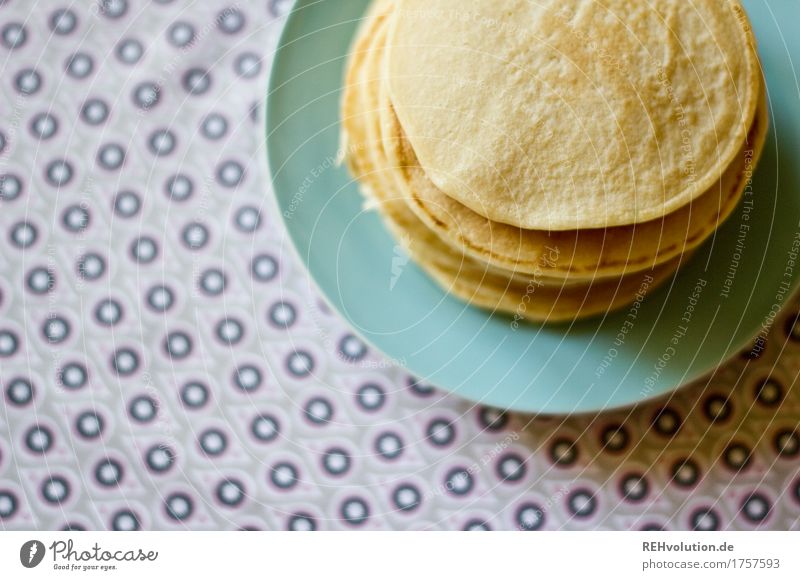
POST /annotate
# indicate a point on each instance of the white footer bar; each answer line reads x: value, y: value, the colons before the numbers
x: 355, y: 555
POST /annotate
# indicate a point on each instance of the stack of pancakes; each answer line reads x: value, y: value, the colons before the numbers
x: 551, y: 160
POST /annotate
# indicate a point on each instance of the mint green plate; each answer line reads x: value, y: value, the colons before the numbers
x: 559, y: 369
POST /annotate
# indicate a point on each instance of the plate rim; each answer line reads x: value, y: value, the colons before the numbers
x: 687, y: 380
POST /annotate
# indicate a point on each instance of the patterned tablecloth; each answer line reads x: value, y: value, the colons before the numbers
x: 165, y: 362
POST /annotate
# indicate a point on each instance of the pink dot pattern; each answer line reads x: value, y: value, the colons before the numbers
x: 166, y: 364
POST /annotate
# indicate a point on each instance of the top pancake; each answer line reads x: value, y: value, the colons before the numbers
x: 570, y: 114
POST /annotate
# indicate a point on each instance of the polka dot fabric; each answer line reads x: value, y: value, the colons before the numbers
x: 166, y: 364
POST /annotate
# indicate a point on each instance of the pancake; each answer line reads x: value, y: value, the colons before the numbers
x: 573, y: 114
x: 361, y: 144
x: 353, y: 135
x: 550, y: 304
x: 582, y: 253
